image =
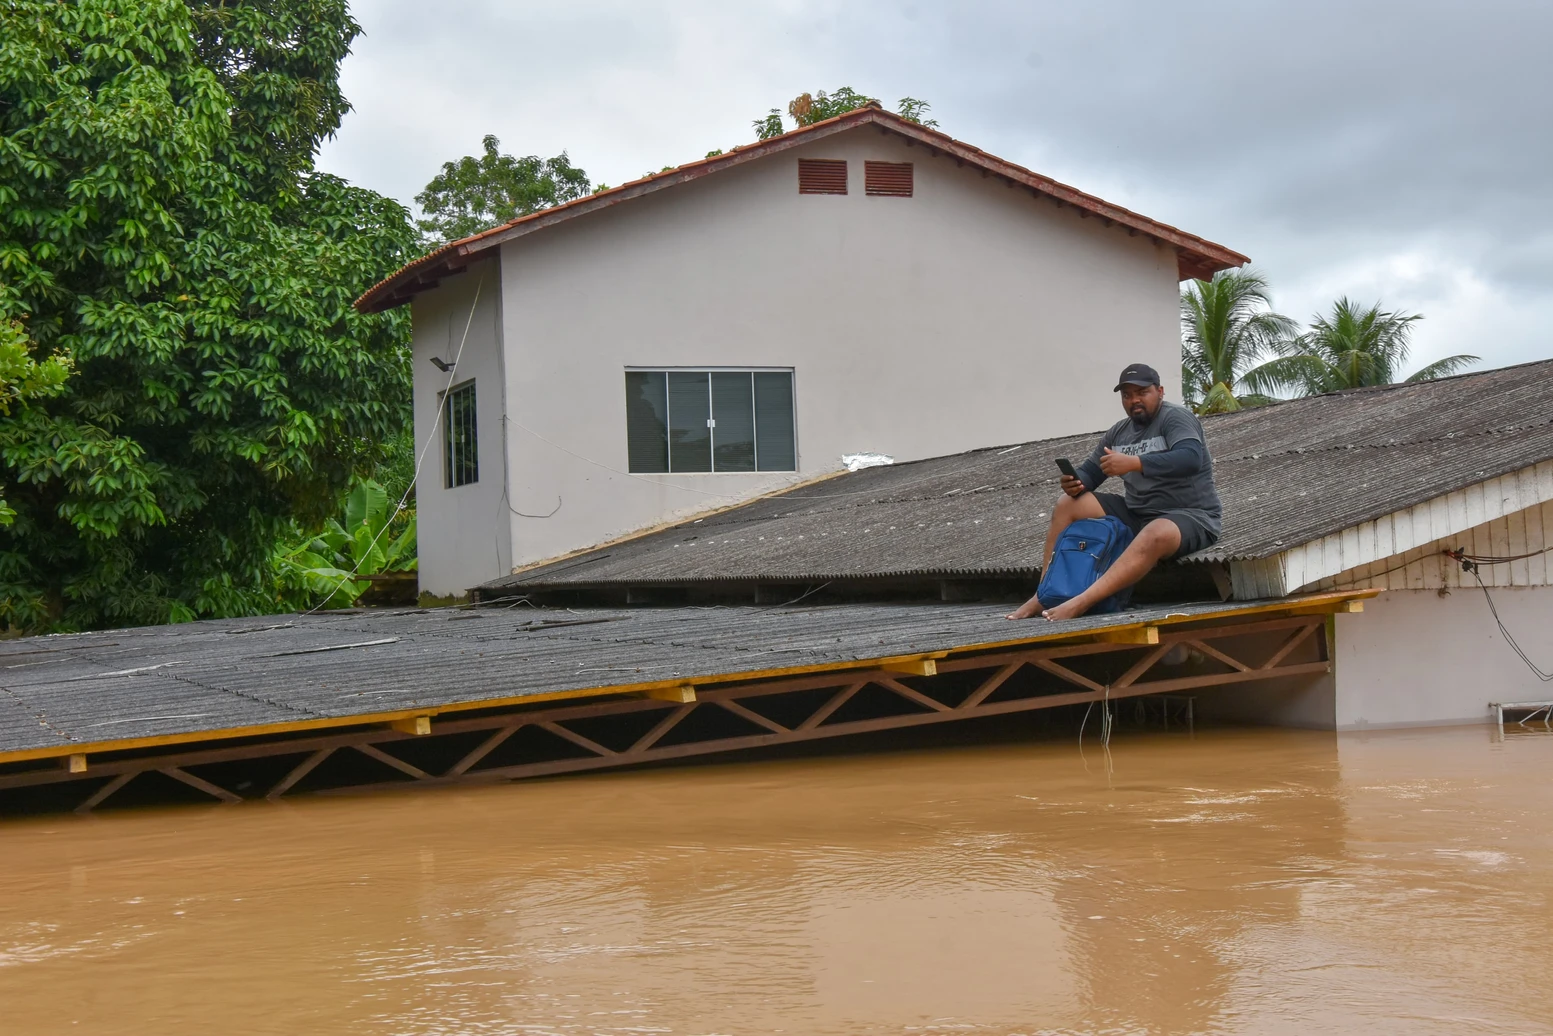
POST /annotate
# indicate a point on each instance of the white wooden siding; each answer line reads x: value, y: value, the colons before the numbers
x: 1426, y: 568
x: 1502, y: 516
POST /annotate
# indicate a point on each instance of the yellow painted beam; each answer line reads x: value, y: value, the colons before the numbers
x: 413, y: 725
x: 1139, y: 635
x: 682, y: 693
x: 912, y: 667
x: 1339, y: 608
x: 1324, y: 603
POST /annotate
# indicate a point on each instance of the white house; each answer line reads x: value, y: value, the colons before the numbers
x: 739, y: 324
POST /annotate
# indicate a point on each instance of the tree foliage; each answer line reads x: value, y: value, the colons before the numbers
x: 1353, y: 347
x: 807, y: 109
x: 161, y: 224
x: 1227, y: 326
x: 477, y: 193
x: 24, y: 378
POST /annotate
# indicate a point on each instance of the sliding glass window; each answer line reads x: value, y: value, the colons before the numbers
x: 710, y: 420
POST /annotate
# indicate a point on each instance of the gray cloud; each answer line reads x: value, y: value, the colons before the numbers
x: 1388, y: 151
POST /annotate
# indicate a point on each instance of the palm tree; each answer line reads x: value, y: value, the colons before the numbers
x: 1227, y: 325
x: 1354, y: 347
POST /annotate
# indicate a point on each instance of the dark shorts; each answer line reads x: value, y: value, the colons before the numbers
x: 1195, y: 535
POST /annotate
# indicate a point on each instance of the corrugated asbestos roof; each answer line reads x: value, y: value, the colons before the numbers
x: 1287, y: 474
x: 167, y: 684
x: 1197, y: 257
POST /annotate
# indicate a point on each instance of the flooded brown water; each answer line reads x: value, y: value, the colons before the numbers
x: 1238, y: 882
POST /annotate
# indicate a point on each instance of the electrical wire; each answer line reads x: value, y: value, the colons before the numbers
x: 1470, y: 563
x: 420, y: 460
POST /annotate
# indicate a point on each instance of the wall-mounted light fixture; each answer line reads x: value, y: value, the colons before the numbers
x: 441, y: 364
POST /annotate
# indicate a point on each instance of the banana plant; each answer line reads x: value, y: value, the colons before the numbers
x: 323, y: 565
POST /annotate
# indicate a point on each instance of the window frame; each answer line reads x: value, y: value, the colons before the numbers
x: 755, y: 436
x: 453, y: 459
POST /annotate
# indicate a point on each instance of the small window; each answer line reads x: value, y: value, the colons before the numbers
x: 822, y: 176
x: 887, y: 179
x: 710, y: 420
x: 461, y: 455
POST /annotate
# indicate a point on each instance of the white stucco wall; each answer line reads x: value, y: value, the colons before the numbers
x: 969, y: 315
x: 464, y: 534
x: 1414, y: 658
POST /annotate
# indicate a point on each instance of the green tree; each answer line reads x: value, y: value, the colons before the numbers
x: 161, y: 223
x: 1354, y: 347
x: 475, y: 194
x: 807, y: 109
x: 23, y: 378
x: 1227, y: 326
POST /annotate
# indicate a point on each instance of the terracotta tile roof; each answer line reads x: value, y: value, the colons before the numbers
x: 1197, y: 257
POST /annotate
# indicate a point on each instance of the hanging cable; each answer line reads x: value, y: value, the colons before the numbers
x: 1470, y: 563
x: 431, y: 436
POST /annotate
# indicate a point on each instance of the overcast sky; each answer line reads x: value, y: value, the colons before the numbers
x: 1400, y: 152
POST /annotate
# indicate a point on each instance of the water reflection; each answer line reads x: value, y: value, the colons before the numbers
x: 1239, y: 882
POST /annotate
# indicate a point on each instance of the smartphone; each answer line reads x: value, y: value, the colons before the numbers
x: 1065, y: 466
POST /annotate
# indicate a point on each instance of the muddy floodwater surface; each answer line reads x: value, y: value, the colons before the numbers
x: 1236, y: 882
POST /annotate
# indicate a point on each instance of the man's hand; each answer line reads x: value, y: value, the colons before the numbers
x: 1073, y: 487
x: 1114, y: 464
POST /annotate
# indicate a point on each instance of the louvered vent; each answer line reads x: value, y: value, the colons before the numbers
x: 890, y: 179
x: 822, y: 176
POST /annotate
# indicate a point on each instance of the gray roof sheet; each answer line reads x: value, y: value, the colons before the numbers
x: 1287, y: 474
x: 187, y: 682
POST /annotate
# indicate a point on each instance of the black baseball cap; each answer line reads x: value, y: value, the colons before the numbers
x: 1137, y: 374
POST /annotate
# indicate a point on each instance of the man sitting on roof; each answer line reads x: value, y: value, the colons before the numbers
x: 1170, y: 504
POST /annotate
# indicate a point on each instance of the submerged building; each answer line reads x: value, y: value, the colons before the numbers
x: 1384, y: 563
x: 740, y: 324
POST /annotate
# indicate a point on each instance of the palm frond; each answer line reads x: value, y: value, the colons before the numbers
x: 1443, y: 368
x: 1227, y: 325
x: 1218, y: 400
x: 1296, y: 373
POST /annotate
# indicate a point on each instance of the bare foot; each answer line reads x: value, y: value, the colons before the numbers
x: 1066, y: 610
x: 1029, y: 609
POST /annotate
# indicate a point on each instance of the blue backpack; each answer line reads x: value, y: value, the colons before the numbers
x: 1083, y: 552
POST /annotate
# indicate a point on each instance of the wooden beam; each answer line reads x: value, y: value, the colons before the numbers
x: 1142, y: 666
x: 1141, y: 635
x: 679, y: 695
x: 666, y: 724
x: 991, y: 684
x: 75, y: 763
x: 101, y: 794
x: 1334, y: 608
x: 576, y: 738
x: 1213, y: 652
x: 1294, y: 641
x: 912, y: 667
x: 215, y: 791
x: 840, y: 698
x: 412, y: 725
x: 911, y: 695
x: 1067, y: 675
x: 298, y: 771
x: 481, y: 750
x: 754, y: 717
x: 373, y: 752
